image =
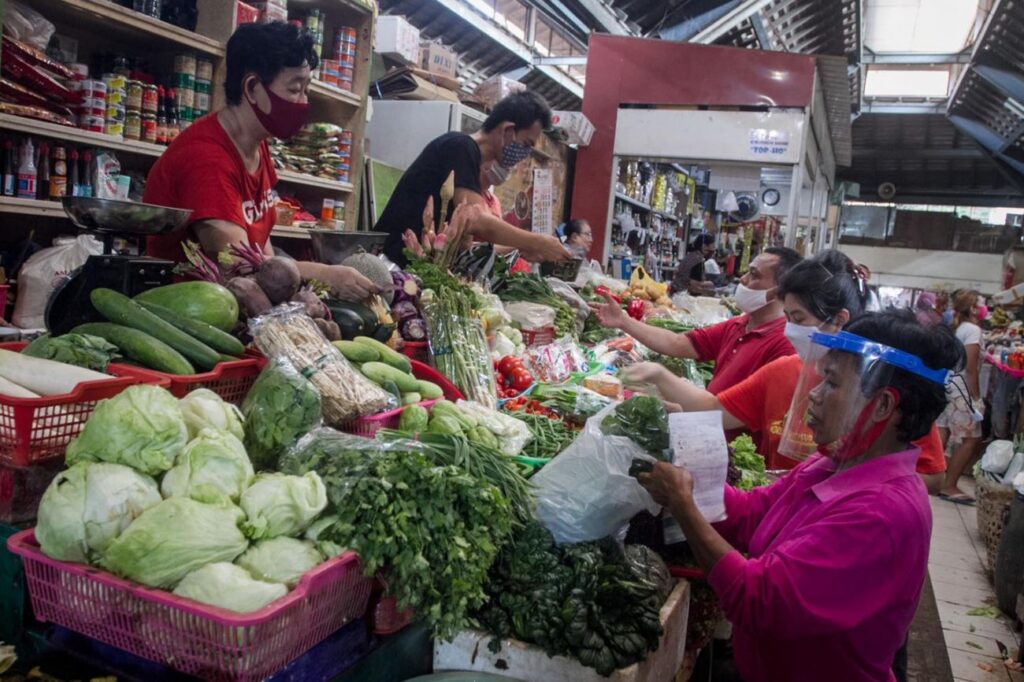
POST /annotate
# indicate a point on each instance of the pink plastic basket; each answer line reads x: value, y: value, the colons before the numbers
x: 369, y: 426
x: 196, y: 639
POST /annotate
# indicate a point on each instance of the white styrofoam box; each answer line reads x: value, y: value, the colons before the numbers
x: 578, y: 128
x: 397, y: 38
x: 468, y: 651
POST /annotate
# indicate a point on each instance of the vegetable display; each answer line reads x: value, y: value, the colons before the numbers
x: 458, y: 344
x: 746, y: 467
x: 81, y: 350
x: 202, y: 301
x: 281, y: 407
x: 204, y: 409
x: 550, y: 436
x: 512, y: 376
x: 229, y: 587
x: 43, y: 377
x: 213, y: 468
x: 643, y: 419
x: 592, y: 601
x: 533, y: 289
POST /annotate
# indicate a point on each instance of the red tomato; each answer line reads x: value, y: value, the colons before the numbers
x: 521, y: 379
x: 508, y: 364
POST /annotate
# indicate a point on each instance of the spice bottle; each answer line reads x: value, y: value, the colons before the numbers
x: 58, y: 173
x: 27, y: 171
x: 161, y: 116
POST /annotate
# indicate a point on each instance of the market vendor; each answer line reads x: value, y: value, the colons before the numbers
x: 690, y: 275
x: 579, y: 238
x: 739, y: 346
x: 820, y: 294
x: 820, y: 573
x: 220, y: 166
x: 508, y: 135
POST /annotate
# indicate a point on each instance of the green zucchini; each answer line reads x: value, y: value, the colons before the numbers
x: 139, y: 347
x: 120, y: 309
x: 411, y: 398
x: 357, y: 352
x: 378, y: 373
x: 222, y: 342
x: 388, y: 355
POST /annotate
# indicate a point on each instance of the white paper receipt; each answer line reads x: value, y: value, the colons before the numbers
x: 699, y: 444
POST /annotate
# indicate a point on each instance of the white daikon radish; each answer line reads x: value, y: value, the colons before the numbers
x: 13, y: 390
x: 45, y: 377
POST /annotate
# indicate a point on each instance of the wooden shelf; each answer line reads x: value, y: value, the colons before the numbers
x: 294, y: 178
x: 290, y: 232
x: 108, y: 17
x: 31, y: 126
x: 36, y: 207
x: 633, y: 202
x: 329, y: 92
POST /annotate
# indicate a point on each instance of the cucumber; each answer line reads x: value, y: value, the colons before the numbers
x: 357, y: 352
x: 392, y: 388
x: 378, y: 373
x: 120, y: 309
x: 429, y: 390
x: 224, y: 357
x: 387, y: 355
x: 411, y: 398
x: 222, y: 342
x: 139, y: 347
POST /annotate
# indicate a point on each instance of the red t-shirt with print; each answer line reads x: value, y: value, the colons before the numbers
x: 762, y: 400
x: 202, y: 170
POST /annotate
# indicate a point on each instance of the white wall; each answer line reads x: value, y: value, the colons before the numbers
x: 922, y: 269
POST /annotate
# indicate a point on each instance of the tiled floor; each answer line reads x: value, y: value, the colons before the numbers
x: 958, y: 578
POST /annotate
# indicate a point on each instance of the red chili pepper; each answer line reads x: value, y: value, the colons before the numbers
x: 636, y: 309
x: 602, y: 290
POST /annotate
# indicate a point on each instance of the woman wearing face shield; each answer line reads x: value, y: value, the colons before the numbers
x: 819, y: 294
x: 837, y: 550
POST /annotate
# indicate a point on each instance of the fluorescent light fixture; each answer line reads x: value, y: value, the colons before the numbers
x: 907, y: 83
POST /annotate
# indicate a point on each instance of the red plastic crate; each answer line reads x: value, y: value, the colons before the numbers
x: 368, y: 427
x: 386, y: 619
x: 196, y: 639
x: 34, y: 430
x: 417, y: 350
x: 423, y: 371
x: 230, y: 380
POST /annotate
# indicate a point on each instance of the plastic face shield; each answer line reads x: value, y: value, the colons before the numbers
x: 841, y: 386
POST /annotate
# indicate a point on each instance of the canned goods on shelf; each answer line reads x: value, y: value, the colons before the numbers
x: 345, y: 85
x: 133, y: 126
x: 346, y: 137
x: 186, y: 113
x: 116, y: 98
x: 201, y: 101
x: 80, y: 70
x: 91, y: 88
x: 203, y: 86
x: 346, y: 34
x: 115, y: 81
x: 150, y: 99
x: 115, y: 114
x: 114, y: 129
x: 149, y: 128
x: 204, y: 70
x: 93, y: 107
x: 185, y: 64
x: 186, y: 97
x: 183, y: 81
x: 346, y: 74
x: 133, y: 96
x: 94, y: 124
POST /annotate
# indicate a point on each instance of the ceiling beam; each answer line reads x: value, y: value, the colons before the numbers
x: 915, y: 58
x: 916, y: 153
x: 605, y: 18
x: 1008, y: 82
x: 577, y: 60
x: 721, y: 25
x: 870, y: 107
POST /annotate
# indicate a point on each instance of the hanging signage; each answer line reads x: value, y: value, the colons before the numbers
x: 543, y: 202
x: 768, y: 143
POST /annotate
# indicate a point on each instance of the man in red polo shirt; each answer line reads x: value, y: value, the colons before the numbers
x: 739, y: 346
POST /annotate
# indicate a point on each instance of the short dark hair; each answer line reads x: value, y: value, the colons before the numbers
x: 825, y: 285
x: 265, y: 49
x: 921, y: 400
x: 700, y: 241
x: 523, y: 109
x: 787, y: 259
x: 574, y: 227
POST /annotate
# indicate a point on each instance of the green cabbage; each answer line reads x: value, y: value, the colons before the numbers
x: 202, y: 408
x: 328, y: 548
x: 141, y: 427
x: 279, y: 504
x: 88, y: 505
x: 174, y: 538
x: 280, y: 560
x: 229, y: 587
x: 212, y: 468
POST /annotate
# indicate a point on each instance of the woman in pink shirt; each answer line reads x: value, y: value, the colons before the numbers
x: 820, y: 572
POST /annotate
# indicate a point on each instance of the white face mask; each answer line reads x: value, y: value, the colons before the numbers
x: 750, y: 300
x: 800, y: 336
x: 497, y: 174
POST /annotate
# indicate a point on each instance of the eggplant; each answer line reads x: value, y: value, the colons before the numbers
x: 353, y: 319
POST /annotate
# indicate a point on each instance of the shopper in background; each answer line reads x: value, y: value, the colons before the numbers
x: 689, y: 275
x: 926, y: 313
x: 820, y: 573
x: 579, y: 238
x: 821, y: 294
x: 220, y: 167
x: 738, y: 346
x: 961, y: 421
x: 944, y: 309
x: 513, y: 128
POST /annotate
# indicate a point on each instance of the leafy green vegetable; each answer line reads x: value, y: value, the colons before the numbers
x: 174, y: 538
x: 82, y: 350
x: 280, y: 560
x: 550, y: 436
x: 414, y: 419
x: 277, y: 504
x: 744, y: 457
x: 529, y: 287
x: 202, y: 408
x: 326, y: 547
x: 669, y: 324
x: 141, y: 427
x: 643, y: 419
x: 212, y: 468
x: 280, y: 408
x: 88, y: 505
x: 229, y: 587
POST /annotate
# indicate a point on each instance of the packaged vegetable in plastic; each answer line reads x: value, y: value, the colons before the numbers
x: 287, y: 332
x: 202, y: 408
x: 88, y: 505
x: 280, y: 560
x: 586, y: 493
x: 569, y: 295
x: 531, y: 315
x: 141, y: 427
x: 281, y: 407
x: 212, y: 468
x: 278, y: 504
x: 229, y: 587
x: 513, y: 434
x: 458, y: 344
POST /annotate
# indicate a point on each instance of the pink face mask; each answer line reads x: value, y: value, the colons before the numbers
x: 982, y: 312
x: 285, y: 117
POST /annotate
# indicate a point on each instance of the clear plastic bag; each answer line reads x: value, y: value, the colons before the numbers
x: 555, y: 362
x: 44, y: 272
x: 281, y: 407
x: 513, y: 434
x: 586, y: 493
x: 570, y: 296
x: 23, y: 23
x: 458, y: 345
x: 531, y: 315
x: 997, y: 456
x: 287, y: 331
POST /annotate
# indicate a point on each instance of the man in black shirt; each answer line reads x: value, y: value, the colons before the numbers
x: 509, y: 133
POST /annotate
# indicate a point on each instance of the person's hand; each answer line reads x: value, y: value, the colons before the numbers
x: 610, y: 314
x: 668, y: 484
x: 643, y: 373
x: 546, y: 249
x: 349, y: 284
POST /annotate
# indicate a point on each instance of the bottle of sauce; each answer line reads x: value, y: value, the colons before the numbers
x: 86, y: 177
x: 172, y: 116
x: 27, y: 171
x: 58, y: 174
x: 73, y: 187
x: 10, y: 177
x: 43, y: 179
x: 161, y: 116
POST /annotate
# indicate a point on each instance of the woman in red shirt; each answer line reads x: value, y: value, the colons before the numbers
x: 819, y: 294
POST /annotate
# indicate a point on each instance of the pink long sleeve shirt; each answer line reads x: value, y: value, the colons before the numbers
x: 835, y: 569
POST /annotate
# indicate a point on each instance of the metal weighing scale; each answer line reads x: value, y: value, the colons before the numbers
x: 69, y: 305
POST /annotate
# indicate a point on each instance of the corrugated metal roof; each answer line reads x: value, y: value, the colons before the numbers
x: 835, y: 84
